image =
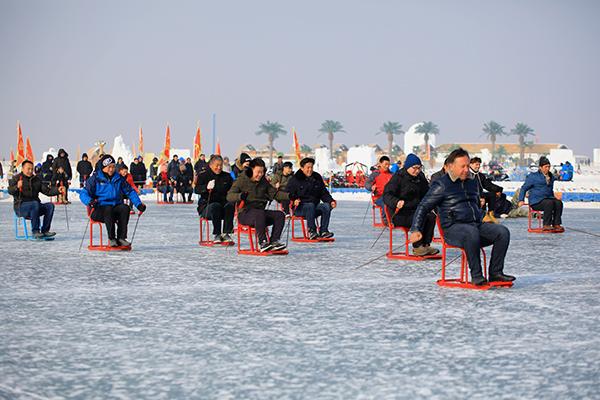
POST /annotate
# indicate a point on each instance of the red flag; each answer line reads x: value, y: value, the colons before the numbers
x: 296, y: 146
x: 29, y: 153
x: 12, y: 155
x: 20, y: 145
x: 197, y: 144
x: 141, y: 143
x: 165, y: 155
x: 218, y: 149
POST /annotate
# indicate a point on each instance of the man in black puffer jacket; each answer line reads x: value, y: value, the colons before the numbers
x: 309, y: 187
x: 138, y: 171
x: 402, y: 195
x: 47, y: 170
x: 456, y: 196
x: 84, y: 169
x: 212, y: 185
x: 62, y: 160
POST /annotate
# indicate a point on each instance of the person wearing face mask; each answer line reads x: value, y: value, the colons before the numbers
x: 403, y: 194
x: 540, y: 186
x: 25, y: 188
x: 212, y: 184
x: 103, y: 192
x: 254, y: 192
x: 456, y: 197
x: 315, y: 200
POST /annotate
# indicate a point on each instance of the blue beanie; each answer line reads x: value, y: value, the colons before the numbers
x: 412, y: 160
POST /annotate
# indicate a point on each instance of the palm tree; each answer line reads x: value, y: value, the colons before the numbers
x: 390, y: 129
x: 522, y: 131
x: 492, y: 130
x: 426, y: 129
x: 272, y: 130
x: 502, y: 153
x: 330, y: 127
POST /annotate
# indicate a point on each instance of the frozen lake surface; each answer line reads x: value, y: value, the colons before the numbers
x: 173, y: 320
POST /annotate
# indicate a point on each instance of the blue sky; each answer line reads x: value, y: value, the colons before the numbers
x: 73, y: 72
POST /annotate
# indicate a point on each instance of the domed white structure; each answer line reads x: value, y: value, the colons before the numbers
x: 412, y: 139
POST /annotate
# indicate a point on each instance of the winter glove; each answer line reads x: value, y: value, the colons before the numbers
x: 141, y: 207
x: 211, y: 185
x: 244, y: 196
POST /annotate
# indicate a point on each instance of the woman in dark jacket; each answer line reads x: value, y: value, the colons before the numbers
x: 253, y: 191
x: 402, y: 195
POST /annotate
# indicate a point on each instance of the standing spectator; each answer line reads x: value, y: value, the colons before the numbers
x: 84, y: 169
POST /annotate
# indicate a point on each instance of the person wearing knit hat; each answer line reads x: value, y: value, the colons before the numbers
x: 402, y: 194
x: 103, y: 192
x: 540, y: 186
x: 84, y: 169
x: 240, y: 164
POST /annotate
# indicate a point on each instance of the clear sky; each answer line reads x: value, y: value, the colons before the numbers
x: 76, y: 71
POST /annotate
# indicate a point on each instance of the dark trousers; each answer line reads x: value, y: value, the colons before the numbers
x: 33, y: 210
x: 552, y: 209
x: 472, y: 237
x: 221, y: 215
x: 379, y: 202
x: 427, y: 230
x: 310, y: 212
x: 164, y: 190
x: 490, y: 200
x: 183, y: 189
x: 260, y: 219
x: 111, y: 215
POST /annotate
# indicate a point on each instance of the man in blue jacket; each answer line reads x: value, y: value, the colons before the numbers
x: 102, y: 192
x: 456, y: 196
x: 540, y: 186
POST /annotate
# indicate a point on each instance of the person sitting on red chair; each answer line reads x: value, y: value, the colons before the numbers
x: 403, y: 194
x: 377, y: 180
x: 540, y: 186
x: 456, y: 196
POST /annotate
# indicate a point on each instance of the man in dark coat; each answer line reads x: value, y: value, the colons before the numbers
x: 25, y: 189
x: 183, y: 183
x: 488, y: 191
x: 154, y: 171
x: 47, y: 169
x: 315, y: 200
x: 200, y: 165
x: 62, y: 160
x: 456, y: 196
x: 173, y: 167
x: 240, y: 164
x: 212, y: 185
x: 402, y: 195
x: 84, y: 169
x: 138, y: 171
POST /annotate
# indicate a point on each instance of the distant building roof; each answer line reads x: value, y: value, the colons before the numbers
x: 511, y: 148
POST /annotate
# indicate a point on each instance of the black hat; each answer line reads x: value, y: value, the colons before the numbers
x: 106, y: 160
x: 244, y: 158
x: 544, y: 161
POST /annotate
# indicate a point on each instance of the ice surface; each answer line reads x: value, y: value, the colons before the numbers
x: 173, y: 320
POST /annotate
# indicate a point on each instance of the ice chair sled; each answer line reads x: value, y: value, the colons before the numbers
x: 377, y: 210
x: 101, y: 246
x: 25, y: 235
x: 304, y: 238
x: 463, y: 281
x: 253, y: 249
x: 205, y: 235
x: 536, y: 227
x: 405, y: 255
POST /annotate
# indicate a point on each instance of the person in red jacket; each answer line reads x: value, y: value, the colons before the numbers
x: 124, y: 172
x: 164, y: 184
x: 377, y: 181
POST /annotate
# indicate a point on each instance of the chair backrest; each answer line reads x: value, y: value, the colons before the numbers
x: 438, y: 222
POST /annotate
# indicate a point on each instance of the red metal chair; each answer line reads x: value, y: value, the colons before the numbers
x: 538, y: 216
x: 205, y: 235
x: 405, y: 255
x: 304, y: 238
x: 377, y: 210
x: 253, y: 249
x: 101, y: 246
x: 463, y: 280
